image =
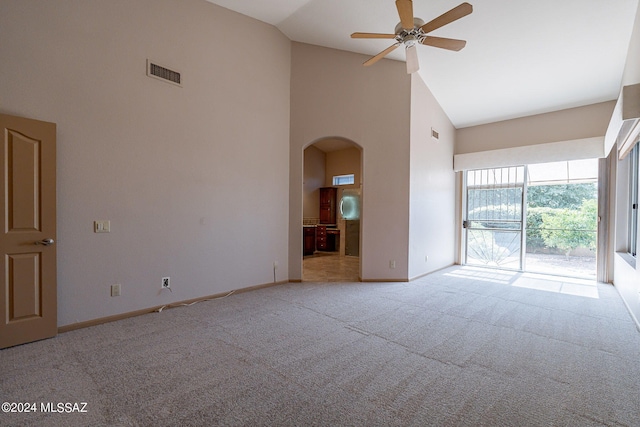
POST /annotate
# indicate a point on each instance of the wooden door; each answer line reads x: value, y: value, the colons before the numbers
x: 28, y: 299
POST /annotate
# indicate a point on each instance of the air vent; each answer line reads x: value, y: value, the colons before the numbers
x: 434, y: 134
x: 163, y: 73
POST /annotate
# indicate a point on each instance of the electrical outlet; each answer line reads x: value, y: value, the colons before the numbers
x: 392, y: 264
x: 115, y: 290
x: 426, y: 258
x: 275, y: 265
x: 102, y: 226
x: 166, y: 282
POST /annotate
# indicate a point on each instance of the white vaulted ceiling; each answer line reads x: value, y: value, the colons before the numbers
x: 522, y: 57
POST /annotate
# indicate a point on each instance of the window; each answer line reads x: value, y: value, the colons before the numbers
x: 344, y: 179
x: 633, y: 200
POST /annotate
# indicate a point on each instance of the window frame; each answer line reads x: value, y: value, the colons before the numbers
x: 337, y: 179
x: 632, y: 225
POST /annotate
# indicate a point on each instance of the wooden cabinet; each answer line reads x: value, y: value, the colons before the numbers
x: 321, y: 238
x: 309, y: 240
x: 327, y: 239
x: 328, y: 205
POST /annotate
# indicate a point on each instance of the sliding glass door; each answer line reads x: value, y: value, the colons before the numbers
x: 542, y: 215
x: 494, y: 217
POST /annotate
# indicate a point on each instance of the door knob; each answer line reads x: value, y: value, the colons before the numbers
x: 45, y: 242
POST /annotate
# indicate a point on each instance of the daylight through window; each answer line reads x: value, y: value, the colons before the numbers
x: 344, y: 179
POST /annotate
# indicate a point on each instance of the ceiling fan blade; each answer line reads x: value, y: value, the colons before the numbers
x: 381, y: 55
x: 456, y: 13
x: 372, y: 36
x: 444, y: 43
x: 405, y: 11
x: 412, y: 59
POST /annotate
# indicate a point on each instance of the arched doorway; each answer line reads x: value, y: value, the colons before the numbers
x: 332, y: 210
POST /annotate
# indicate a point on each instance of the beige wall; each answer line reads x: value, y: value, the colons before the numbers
x: 564, y: 125
x: 343, y: 162
x: 626, y: 272
x: 432, y: 222
x: 332, y: 95
x: 315, y: 161
x: 194, y: 180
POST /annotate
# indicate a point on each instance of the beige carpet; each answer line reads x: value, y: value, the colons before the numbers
x: 462, y: 347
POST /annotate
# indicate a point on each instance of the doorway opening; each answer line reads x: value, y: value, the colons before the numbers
x: 332, y: 208
x: 540, y: 218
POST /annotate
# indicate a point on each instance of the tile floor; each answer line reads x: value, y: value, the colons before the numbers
x: 330, y: 268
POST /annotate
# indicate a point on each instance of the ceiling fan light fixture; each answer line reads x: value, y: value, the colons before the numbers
x: 410, y: 41
x: 408, y: 36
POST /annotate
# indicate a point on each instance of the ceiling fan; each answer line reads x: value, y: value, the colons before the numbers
x: 413, y: 30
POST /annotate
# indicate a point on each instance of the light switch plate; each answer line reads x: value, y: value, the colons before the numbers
x: 115, y: 290
x: 102, y: 226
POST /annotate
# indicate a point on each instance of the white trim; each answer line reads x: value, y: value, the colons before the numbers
x: 625, y: 117
x: 576, y: 149
x: 630, y: 140
x: 630, y: 261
